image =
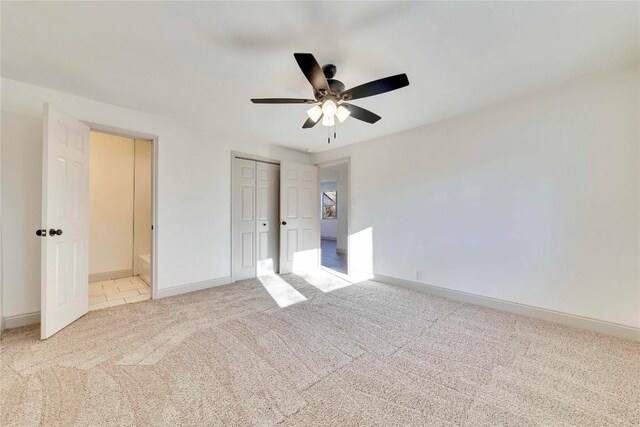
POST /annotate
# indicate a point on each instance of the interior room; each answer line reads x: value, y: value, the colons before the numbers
x: 347, y: 214
x: 120, y: 201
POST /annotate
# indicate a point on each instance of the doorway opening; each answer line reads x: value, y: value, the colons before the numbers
x: 120, y: 219
x: 334, y: 211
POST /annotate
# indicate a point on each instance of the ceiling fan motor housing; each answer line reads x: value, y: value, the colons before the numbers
x: 329, y: 70
x: 335, y: 85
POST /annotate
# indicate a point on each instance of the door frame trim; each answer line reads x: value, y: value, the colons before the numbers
x: 329, y: 163
x: 251, y: 157
x: 111, y: 130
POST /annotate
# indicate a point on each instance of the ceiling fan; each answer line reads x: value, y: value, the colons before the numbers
x: 330, y: 94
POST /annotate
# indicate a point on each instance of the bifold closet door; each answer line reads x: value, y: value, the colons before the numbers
x: 244, y: 217
x: 267, y: 225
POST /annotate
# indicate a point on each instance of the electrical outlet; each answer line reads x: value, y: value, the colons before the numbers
x: 418, y: 274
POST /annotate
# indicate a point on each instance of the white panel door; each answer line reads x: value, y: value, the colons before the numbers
x: 267, y: 208
x: 65, y: 216
x: 244, y: 217
x: 299, y: 214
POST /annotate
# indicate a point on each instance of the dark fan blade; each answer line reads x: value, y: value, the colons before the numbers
x: 281, y: 101
x: 376, y: 87
x: 310, y: 123
x: 361, y: 113
x: 312, y: 71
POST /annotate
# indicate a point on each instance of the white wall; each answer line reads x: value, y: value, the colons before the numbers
x: 111, y: 203
x: 193, y: 226
x: 21, y: 210
x: 142, y: 212
x: 534, y: 201
x: 328, y: 227
x: 1, y: 257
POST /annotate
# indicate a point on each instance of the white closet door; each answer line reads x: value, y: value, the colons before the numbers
x: 65, y: 216
x: 244, y: 215
x: 267, y: 207
x: 299, y: 213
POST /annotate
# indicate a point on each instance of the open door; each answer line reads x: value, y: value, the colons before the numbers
x: 65, y: 220
x: 299, y: 218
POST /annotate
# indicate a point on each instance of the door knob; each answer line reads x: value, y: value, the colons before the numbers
x: 264, y: 224
x: 41, y: 232
x: 54, y: 232
x: 284, y: 222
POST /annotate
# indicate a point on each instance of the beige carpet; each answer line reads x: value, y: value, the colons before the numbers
x: 365, y: 354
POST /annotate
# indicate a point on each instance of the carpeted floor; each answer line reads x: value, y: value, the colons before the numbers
x: 365, y: 354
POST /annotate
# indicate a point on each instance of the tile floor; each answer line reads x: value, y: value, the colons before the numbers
x: 108, y: 293
x: 331, y: 259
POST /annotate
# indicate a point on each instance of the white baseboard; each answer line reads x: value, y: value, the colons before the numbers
x: 341, y: 251
x: 20, y: 320
x: 581, y: 322
x: 192, y: 287
x: 34, y: 318
x: 110, y: 275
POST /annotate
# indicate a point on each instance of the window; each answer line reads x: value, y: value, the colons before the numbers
x: 329, y: 202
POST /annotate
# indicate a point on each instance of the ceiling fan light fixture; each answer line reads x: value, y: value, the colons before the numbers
x: 342, y: 113
x: 315, y: 113
x: 328, y: 121
x: 329, y: 108
x: 330, y: 99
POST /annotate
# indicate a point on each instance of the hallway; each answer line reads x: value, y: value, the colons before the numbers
x: 331, y: 259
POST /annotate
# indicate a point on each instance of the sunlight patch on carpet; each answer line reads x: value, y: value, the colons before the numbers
x: 324, y: 281
x: 283, y: 293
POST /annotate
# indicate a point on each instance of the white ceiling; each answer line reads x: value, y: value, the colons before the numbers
x: 202, y: 62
